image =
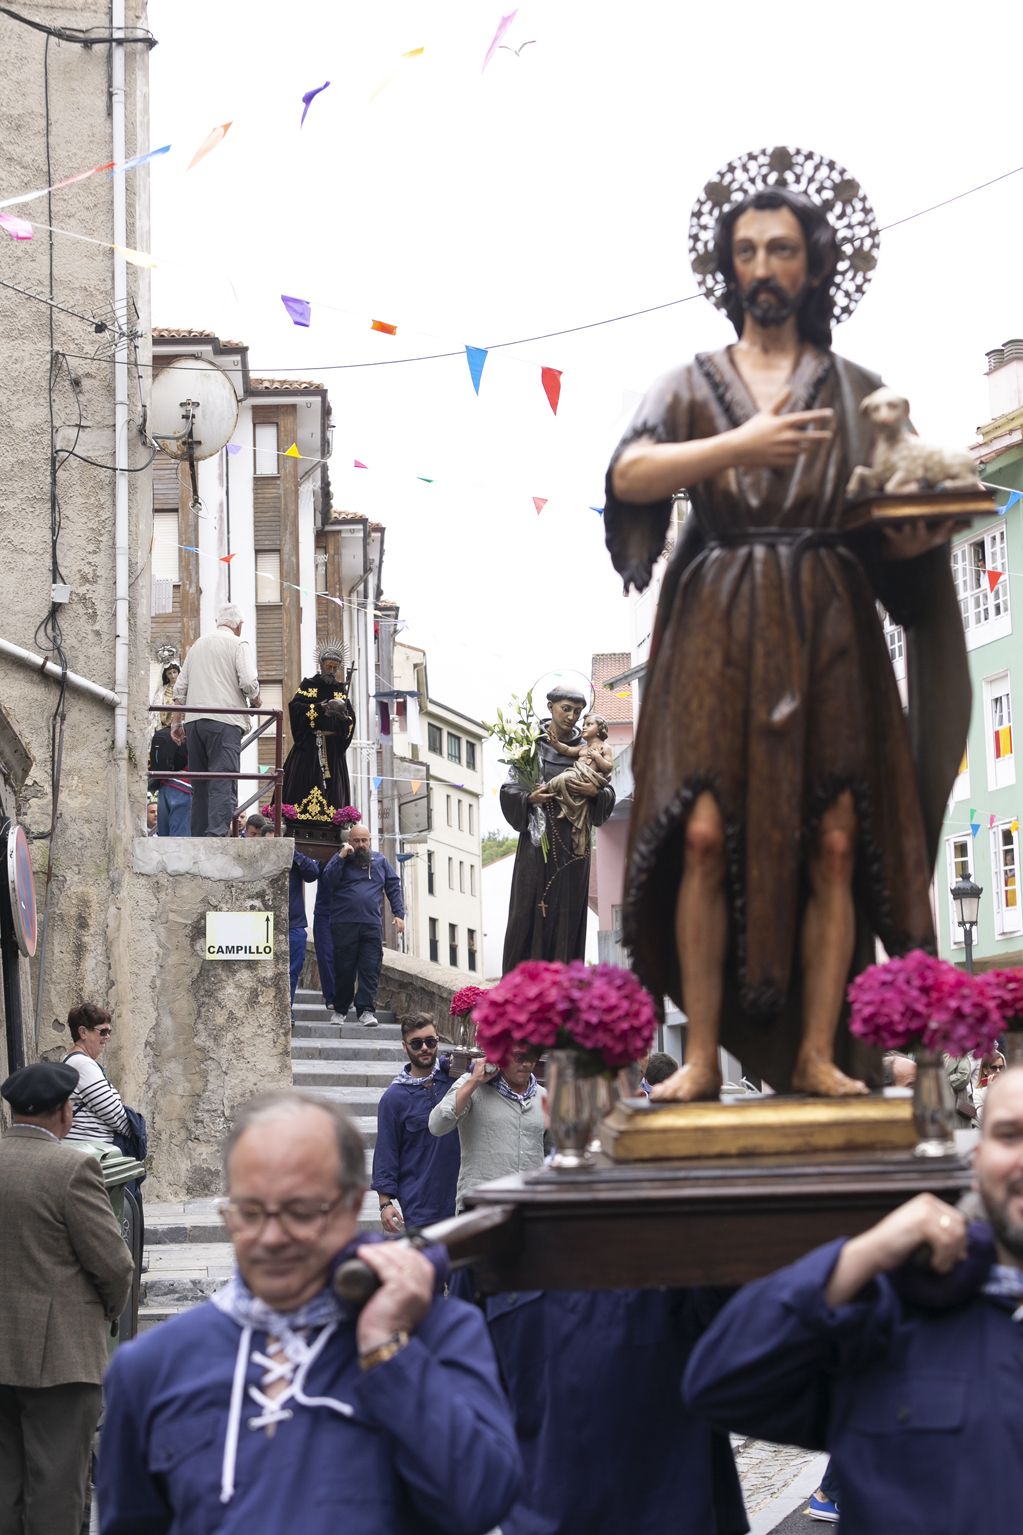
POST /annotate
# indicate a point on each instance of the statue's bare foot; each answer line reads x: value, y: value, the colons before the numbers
x: 817, y: 1075
x: 690, y: 1084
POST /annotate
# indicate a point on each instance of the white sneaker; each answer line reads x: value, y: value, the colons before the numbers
x: 369, y: 1019
x: 337, y: 1017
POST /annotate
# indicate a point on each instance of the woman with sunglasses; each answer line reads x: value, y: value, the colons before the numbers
x: 98, y: 1110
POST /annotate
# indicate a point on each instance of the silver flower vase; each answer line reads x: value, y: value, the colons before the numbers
x: 934, y: 1111
x: 572, y: 1099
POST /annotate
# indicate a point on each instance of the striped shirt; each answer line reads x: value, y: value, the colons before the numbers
x: 98, y: 1110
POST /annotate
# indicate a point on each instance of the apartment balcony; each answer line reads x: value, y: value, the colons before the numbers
x: 622, y: 783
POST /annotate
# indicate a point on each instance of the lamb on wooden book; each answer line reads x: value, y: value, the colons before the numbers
x: 900, y: 462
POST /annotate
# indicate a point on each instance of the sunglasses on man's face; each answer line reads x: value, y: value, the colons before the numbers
x: 423, y: 1044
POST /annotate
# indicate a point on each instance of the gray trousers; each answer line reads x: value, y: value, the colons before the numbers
x: 213, y: 748
x: 45, y: 1444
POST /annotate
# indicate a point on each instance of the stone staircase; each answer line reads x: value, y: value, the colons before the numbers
x: 187, y: 1246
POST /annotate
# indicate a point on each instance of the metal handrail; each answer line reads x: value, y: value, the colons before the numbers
x: 275, y: 718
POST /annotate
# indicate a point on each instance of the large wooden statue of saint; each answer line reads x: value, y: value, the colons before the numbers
x: 551, y: 877
x: 786, y: 810
x: 322, y: 719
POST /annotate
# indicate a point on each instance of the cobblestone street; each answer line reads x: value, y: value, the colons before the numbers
x: 767, y: 1471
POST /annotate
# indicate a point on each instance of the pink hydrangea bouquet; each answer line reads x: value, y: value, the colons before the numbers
x: 918, y: 1001
x: 289, y: 812
x: 601, y: 1011
x: 346, y: 816
x: 1005, y: 989
x: 465, y: 1000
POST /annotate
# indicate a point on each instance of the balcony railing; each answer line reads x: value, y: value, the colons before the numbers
x: 272, y: 718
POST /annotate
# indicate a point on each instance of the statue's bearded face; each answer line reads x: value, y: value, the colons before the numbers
x: 769, y: 257
x: 329, y: 667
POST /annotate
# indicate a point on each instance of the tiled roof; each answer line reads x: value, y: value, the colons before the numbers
x: 605, y: 665
x: 162, y: 333
x: 281, y: 385
x: 347, y: 517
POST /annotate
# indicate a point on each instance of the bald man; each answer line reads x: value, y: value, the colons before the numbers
x: 354, y: 883
x: 899, y: 1350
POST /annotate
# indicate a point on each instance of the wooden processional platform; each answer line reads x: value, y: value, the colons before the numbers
x: 698, y: 1220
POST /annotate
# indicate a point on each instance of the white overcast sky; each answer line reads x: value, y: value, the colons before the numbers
x: 550, y: 191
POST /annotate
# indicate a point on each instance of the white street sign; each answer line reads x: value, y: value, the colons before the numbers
x: 239, y: 935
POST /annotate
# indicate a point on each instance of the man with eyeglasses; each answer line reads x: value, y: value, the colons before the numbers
x: 275, y: 1406
x: 414, y: 1173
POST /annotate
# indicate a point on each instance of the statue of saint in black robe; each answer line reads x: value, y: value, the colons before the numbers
x: 547, y: 909
x: 316, y: 778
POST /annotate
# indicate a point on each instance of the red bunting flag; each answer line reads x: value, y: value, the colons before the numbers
x: 227, y: 558
x: 539, y: 502
x: 552, y: 386
x: 383, y: 327
x: 993, y: 578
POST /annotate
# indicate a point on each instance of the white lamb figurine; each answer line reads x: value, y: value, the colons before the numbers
x: 901, y: 462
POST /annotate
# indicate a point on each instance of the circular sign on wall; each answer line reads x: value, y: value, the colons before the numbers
x: 22, y: 890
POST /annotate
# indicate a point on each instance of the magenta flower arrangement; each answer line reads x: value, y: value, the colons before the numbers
x: 1005, y: 989
x: 346, y: 816
x: 465, y: 1000
x: 600, y: 1010
x: 289, y: 812
x: 923, y: 1002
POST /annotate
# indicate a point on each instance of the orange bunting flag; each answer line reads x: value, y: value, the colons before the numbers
x: 227, y: 558
x: 417, y: 784
x: 383, y: 327
x: 552, y: 386
x: 292, y: 452
x: 993, y: 578
x: 210, y: 142
x: 539, y: 502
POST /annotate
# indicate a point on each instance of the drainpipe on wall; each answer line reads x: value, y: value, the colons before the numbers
x: 120, y: 827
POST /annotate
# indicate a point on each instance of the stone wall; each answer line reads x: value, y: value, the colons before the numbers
x: 195, y: 1037
x: 410, y: 985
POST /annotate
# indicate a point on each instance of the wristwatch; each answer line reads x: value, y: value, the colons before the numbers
x: 385, y: 1204
x: 383, y: 1351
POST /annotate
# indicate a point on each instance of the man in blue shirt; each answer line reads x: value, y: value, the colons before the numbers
x: 275, y: 1407
x: 909, y: 1375
x: 414, y: 1173
x: 356, y: 880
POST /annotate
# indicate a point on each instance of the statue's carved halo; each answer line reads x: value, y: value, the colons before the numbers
x: 334, y: 650
x: 570, y: 678
x: 819, y: 180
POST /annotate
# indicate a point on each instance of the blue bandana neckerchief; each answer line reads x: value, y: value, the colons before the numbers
x: 405, y: 1077
x: 510, y: 1093
x: 1005, y: 1284
x: 237, y: 1301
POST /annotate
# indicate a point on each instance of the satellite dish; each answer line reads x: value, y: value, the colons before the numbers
x: 193, y: 410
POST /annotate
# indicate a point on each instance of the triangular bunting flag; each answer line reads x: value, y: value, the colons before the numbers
x: 308, y: 97
x: 424, y: 479
x: 539, y: 502
x: 377, y: 781
x: 476, y: 356
x: 502, y: 27
x: 598, y: 509
x: 975, y: 827
x: 233, y: 448
x: 1014, y: 826
x: 383, y: 327
x: 993, y: 578
x: 18, y: 229
x: 358, y: 464
x: 552, y: 386
x: 973, y: 812
x: 292, y: 452
x: 1014, y: 497
x: 227, y: 558
x: 990, y: 822
x: 417, y: 784
x: 209, y: 142
x: 299, y: 309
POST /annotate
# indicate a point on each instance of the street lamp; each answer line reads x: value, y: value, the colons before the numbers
x: 966, y: 899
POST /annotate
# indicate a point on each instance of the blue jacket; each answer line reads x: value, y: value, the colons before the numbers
x: 303, y: 869
x: 429, y: 1445
x: 408, y: 1161
x: 922, y: 1410
x: 357, y: 895
x: 607, y: 1445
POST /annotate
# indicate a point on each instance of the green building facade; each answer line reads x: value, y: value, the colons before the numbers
x: 981, y: 832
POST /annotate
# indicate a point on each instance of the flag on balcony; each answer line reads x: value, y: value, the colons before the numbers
x: 1003, y: 742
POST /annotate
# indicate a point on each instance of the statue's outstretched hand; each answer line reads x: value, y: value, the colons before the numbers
x: 770, y: 440
x: 907, y: 540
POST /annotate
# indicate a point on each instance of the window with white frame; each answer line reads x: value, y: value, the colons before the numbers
x: 268, y: 575
x: 461, y: 875
x: 166, y: 564
x: 470, y: 755
x: 472, y: 879
x: 434, y: 739
x: 957, y: 855
x: 451, y: 874
x: 460, y: 813
x: 1005, y: 864
x: 895, y: 639
x: 448, y: 799
x: 266, y: 446
x: 1001, y: 759
x: 978, y: 567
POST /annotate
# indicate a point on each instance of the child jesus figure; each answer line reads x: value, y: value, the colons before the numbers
x: 575, y: 787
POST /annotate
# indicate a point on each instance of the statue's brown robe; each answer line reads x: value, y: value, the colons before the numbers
x: 770, y: 686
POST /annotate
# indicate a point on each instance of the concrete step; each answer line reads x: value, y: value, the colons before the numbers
x: 351, y: 1073
x: 352, y: 1031
x: 313, y: 1011
x: 324, y: 1076
x: 332, y: 1048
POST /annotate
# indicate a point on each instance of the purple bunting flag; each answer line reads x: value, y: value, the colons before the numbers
x: 299, y: 309
x: 308, y: 98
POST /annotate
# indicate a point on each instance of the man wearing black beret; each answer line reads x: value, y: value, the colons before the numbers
x: 65, y: 1274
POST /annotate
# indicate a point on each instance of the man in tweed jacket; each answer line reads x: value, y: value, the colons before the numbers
x: 65, y: 1274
